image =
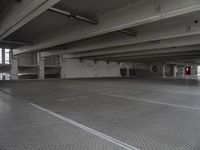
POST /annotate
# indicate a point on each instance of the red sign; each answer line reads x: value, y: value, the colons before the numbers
x: 187, y: 70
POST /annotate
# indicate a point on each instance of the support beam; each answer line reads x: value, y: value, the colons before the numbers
x: 140, y: 13
x: 15, y: 42
x: 21, y: 13
x: 185, y: 59
x: 54, y: 52
x: 160, y: 59
x: 175, y: 42
x: 148, y: 52
x: 197, y: 54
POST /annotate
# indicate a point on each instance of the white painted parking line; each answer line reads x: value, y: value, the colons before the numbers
x: 72, y: 98
x: 152, y: 102
x: 85, y: 128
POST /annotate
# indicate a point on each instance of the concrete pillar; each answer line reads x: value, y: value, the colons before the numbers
x: 62, y: 71
x: 130, y: 65
x: 175, y: 71
x: 164, y: 75
x: 41, y: 67
x: 62, y: 66
x: 62, y: 74
x: 61, y: 59
x: 127, y: 71
x: 14, y: 68
x: 3, y: 56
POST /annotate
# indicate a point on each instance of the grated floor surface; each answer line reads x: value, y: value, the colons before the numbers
x: 147, y: 114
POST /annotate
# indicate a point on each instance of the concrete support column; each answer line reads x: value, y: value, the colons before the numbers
x: 62, y: 74
x: 175, y: 71
x: 164, y: 71
x: 3, y: 56
x: 61, y: 59
x: 14, y: 68
x: 41, y: 67
x: 127, y: 68
x: 62, y: 71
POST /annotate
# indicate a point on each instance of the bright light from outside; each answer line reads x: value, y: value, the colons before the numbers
x: 4, y: 76
x: 198, y: 70
x: 7, y: 56
x: 0, y: 56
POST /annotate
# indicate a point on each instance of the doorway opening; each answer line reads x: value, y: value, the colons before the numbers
x: 187, y: 70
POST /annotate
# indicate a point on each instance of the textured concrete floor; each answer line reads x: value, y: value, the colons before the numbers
x: 145, y: 114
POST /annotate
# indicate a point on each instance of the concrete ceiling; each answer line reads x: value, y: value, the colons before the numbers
x: 93, y: 7
x: 16, y: 14
x: 153, y: 25
x: 50, y: 21
x: 4, y: 4
x: 41, y: 26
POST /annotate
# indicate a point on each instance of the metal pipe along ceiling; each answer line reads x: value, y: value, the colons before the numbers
x: 75, y: 16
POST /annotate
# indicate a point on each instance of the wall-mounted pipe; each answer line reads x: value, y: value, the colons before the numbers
x: 129, y: 32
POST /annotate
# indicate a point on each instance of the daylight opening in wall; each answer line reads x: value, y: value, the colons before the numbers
x: 198, y: 70
x: 4, y: 76
x: 7, y: 56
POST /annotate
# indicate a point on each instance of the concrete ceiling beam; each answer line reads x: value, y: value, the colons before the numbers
x: 197, y: 54
x: 154, y: 51
x: 175, y: 42
x: 183, y: 58
x: 47, y: 53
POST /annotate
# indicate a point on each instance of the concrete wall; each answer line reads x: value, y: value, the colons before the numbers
x: 181, y: 70
x: 27, y: 59
x: 169, y: 70
x: 146, y: 69
x: 74, y: 68
x: 52, y: 60
x: 194, y: 70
